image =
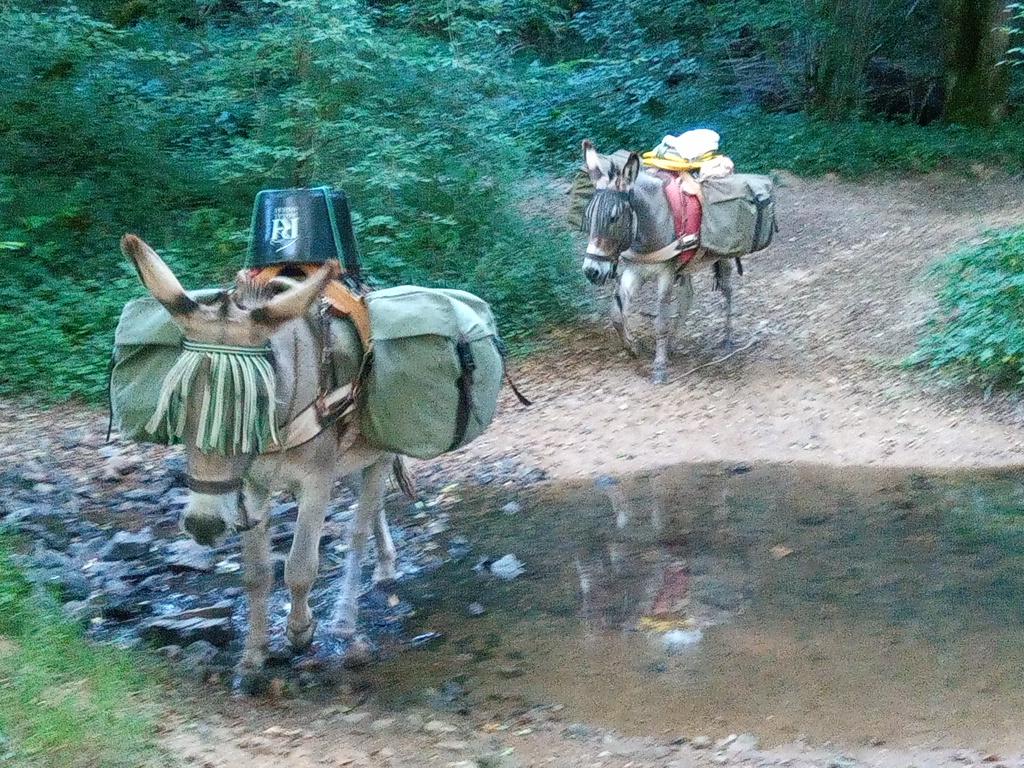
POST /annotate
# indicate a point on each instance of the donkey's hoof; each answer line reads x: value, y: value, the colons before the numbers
x: 251, y: 682
x: 343, y: 629
x: 300, y: 638
x: 660, y: 376
x: 384, y: 574
x: 358, y: 654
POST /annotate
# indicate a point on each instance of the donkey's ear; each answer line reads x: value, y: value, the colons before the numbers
x: 157, y: 277
x: 629, y: 171
x: 295, y: 301
x: 592, y: 161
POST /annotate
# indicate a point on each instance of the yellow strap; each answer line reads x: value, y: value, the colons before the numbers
x: 676, y: 163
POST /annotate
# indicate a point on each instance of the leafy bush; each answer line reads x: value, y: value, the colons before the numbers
x: 978, y: 331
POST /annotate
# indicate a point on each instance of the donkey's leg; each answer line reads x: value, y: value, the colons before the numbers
x: 258, y: 579
x: 685, y: 303
x: 304, y: 559
x: 346, y: 609
x: 724, y: 276
x: 663, y: 322
x: 386, y: 554
x: 624, y: 292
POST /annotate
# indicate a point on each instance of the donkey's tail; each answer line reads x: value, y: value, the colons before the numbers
x: 403, y: 478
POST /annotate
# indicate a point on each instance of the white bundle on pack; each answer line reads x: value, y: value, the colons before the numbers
x: 689, y: 145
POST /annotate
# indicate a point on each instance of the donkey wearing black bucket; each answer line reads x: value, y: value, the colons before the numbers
x: 246, y: 353
x: 632, y: 235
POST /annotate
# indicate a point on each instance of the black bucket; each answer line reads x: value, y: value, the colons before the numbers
x: 302, y: 226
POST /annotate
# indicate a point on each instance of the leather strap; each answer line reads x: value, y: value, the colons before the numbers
x: 319, y: 415
x: 343, y: 301
x: 670, y: 251
x: 331, y: 405
x: 465, y: 386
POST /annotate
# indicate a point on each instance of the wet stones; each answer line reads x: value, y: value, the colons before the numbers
x: 118, y: 466
x: 580, y: 731
x: 507, y: 568
x: 164, y: 631
x: 128, y: 546
x: 210, y: 624
x: 679, y: 640
x: 458, y: 547
x: 187, y: 555
x: 512, y: 508
x: 198, y: 655
x: 124, y: 608
x: 148, y: 493
x: 73, y: 585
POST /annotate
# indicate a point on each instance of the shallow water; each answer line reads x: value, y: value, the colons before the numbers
x: 845, y: 605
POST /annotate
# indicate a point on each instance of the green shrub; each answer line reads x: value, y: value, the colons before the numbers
x: 977, y: 333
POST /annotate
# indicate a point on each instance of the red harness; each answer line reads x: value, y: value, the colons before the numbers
x: 686, y: 211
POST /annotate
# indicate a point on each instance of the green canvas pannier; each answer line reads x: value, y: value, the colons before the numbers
x: 147, y: 344
x: 436, y: 372
x: 738, y: 216
x: 432, y: 385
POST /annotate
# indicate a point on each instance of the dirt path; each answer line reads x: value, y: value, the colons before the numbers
x: 344, y: 734
x: 832, y: 308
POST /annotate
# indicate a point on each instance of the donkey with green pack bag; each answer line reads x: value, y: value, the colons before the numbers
x: 246, y: 379
x: 243, y: 398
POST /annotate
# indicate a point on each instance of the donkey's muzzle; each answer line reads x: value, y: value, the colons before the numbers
x: 205, y: 530
x: 595, y: 275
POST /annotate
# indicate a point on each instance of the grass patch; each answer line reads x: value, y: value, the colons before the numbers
x: 65, y: 702
x: 977, y: 332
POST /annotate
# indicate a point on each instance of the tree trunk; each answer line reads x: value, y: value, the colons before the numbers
x: 976, y: 85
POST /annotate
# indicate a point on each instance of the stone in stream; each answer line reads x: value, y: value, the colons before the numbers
x: 634, y: 748
x: 176, y: 467
x: 512, y: 508
x: 82, y: 611
x: 677, y: 640
x: 580, y: 731
x: 125, y: 607
x: 147, y: 493
x: 458, y: 548
x: 175, y: 631
x: 199, y: 653
x: 49, y: 559
x: 118, y: 465
x: 128, y: 546
x: 187, y: 555
x: 507, y: 568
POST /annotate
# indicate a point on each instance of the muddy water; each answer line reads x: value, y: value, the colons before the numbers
x: 852, y: 606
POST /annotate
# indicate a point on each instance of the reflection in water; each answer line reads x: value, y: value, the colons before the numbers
x: 847, y: 605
